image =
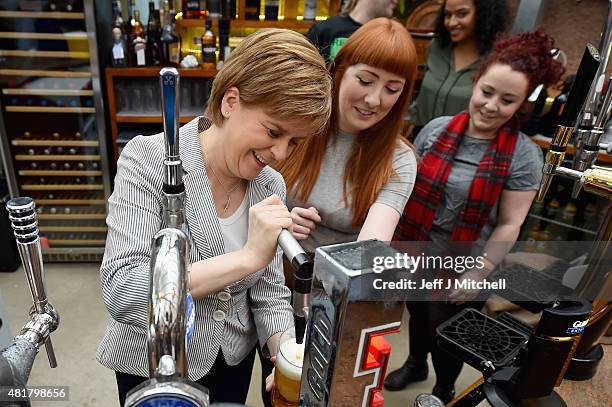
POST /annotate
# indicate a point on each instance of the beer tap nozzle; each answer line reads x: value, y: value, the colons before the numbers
x: 173, y: 188
x: 22, y: 214
x: 167, y: 304
x: 580, y: 88
x: 302, y: 281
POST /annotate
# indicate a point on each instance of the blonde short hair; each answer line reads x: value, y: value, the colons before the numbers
x: 280, y: 71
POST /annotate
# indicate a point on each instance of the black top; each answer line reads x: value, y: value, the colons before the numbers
x: 331, y: 34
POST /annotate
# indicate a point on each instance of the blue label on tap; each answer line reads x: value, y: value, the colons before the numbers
x: 190, y: 316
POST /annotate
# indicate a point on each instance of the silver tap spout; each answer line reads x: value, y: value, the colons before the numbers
x: 302, y: 281
x: 586, y: 155
x: 167, y: 304
x: 580, y: 88
x: 173, y: 188
x: 22, y: 215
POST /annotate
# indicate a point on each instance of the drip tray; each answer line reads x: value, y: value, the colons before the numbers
x: 476, y: 338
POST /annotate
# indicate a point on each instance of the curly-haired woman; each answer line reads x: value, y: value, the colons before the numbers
x: 465, y: 32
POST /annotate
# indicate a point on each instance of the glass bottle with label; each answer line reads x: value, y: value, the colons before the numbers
x: 153, y: 36
x: 171, y: 54
x: 139, y: 44
x: 191, y: 9
x: 271, y: 9
x: 310, y: 9
x: 251, y: 9
x: 209, y: 48
x: 213, y: 8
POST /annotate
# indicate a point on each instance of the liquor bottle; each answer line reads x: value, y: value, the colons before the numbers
x: 251, y: 9
x: 191, y: 9
x: 224, y: 47
x: 228, y: 9
x: 291, y: 9
x: 271, y: 9
x: 119, y: 50
x: 153, y: 36
x: 323, y: 8
x: 214, y: 9
x: 139, y: 44
x: 209, y: 48
x: 171, y: 51
x: 310, y: 9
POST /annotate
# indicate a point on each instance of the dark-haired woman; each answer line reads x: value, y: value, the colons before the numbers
x: 475, y: 184
x: 465, y: 31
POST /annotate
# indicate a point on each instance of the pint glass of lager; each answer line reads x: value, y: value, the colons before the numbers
x: 288, y: 372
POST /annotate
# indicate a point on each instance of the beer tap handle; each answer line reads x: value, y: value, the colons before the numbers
x: 580, y: 88
x: 302, y: 280
x: 173, y: 187
x: 45, y: 319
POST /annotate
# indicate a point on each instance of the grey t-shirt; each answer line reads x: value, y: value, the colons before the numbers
x: 525, y: 174
x: 327, y: 193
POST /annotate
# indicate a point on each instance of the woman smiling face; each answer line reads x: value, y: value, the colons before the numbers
x: 496, y: 97
x: 460, y: 19
x: 366, y: 96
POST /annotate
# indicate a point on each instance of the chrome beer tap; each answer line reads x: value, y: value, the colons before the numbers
x: 556, y: 152
x: 16, y: 361
x: 593, y: 116
x: 302, y: 281
x: 169, y: 279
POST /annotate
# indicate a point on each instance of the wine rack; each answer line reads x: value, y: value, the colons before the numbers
x: 52, y: 123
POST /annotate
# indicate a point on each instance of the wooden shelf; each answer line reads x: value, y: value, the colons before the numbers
x: 154, y: 71
x: 48, y: 92
x: 49, y: 109
x: 56, y: 173
x: 544, y: 142
x: 43, y: 14
x: 78, y: 36
x: 78, y: 229
x: 70, y: 202
x: 48, y: 74
x: 53, y: 157
x: 72, y: 216
x: 44, y: 54
x: 128, y: 118
x: 56, y: 143
x: 74, y: 242
x: 62, y: 187
x: 241, y: 24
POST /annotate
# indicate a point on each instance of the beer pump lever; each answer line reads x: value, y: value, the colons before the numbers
x: 593, y: 117
x: 556, y: 153
x: 16, y: 361
x: 302, y: 281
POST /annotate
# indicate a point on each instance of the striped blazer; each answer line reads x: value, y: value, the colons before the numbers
x: 256, y: 307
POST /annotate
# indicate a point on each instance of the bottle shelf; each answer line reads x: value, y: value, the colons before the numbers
x: 74, y: 242
x: 241, y: 24
x: 72, y: 216
x: 49, y: 109
x: 55, y: 173
x: 48, y: 92
x: 62, y: 187
x: 56, y: 143
x: 44, y: 54
x: 154, y: 71
x: 24, y: 157
x: 48, y: 74
x: 130, y: 118
x: 101, y: 229
x: 56, y: 15
x: 70, y: 36
x: 70, y: 201
x: 559, y: 223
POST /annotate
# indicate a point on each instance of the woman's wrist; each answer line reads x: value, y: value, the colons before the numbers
x: 250, y: 260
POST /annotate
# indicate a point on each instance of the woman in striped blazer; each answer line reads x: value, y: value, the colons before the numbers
x: 273, y: 92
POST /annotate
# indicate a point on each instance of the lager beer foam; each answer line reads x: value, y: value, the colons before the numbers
x: 290, y: 358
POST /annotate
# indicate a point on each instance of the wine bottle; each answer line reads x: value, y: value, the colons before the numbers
x: 271, y: 10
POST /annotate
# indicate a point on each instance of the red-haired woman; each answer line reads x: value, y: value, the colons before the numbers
x: 352, y: 182
x: 475, y: 184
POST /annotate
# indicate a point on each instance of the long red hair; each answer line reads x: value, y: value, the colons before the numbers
x: 385, y: 44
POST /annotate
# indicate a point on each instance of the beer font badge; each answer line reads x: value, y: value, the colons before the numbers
x: 190, y: 317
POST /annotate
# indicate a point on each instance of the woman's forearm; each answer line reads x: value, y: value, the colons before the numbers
x: 213, y: 274
x: 499, y: 244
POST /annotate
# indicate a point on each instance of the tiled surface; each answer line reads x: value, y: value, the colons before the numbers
x: 74, y: 291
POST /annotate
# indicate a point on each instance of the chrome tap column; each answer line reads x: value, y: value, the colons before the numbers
x: 346, y: 354
x: 169, y: 279
x: 16, y: 361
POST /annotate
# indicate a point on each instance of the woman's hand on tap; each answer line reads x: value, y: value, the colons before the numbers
x: 304, y: 221
x: 266, y: 220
